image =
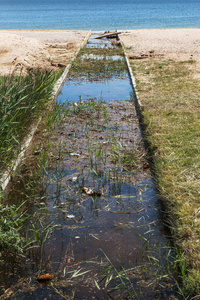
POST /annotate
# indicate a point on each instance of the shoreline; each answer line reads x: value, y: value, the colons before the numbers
x: 48, y: 49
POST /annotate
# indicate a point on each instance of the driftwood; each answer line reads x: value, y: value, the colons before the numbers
x: 112, y: 34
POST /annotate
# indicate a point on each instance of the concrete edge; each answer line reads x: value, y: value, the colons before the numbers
x: 63, y: 77
x: 6, y: 177
x: 132, y: 78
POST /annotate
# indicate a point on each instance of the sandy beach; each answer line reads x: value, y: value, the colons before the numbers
x: 52, y: 49
x: 181, y: 44
x: 175, y: 44
x: 43, y: 49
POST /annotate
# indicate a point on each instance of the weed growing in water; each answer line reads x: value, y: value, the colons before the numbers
x: 99, y: 68
x: 11, y: 220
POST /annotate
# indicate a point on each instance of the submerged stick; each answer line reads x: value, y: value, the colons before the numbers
x: 126, y: 212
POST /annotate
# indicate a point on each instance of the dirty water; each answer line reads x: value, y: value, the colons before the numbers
x: 112, y: 89
x: 100, y: 230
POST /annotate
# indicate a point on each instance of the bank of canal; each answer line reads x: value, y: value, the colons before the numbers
x: 94, y: 213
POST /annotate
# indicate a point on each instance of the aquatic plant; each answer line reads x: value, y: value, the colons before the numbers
x: 11, y: 221
x: 100, y: 68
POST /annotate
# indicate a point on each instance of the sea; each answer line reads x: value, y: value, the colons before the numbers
x: 98, y: 15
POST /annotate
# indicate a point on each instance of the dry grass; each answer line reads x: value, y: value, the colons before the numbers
x: 170, y: 95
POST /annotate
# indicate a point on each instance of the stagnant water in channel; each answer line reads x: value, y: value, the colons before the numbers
x: 99, y: 230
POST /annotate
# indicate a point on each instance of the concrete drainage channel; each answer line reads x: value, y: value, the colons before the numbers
x: 99, y: 203
x: 6, y: 177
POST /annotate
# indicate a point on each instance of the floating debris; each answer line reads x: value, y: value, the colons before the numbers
x: 124, y: 196
x: 73, y: 179
x: 38, y: 152
x: 45, y: 277
x: 109, y: 34
x: 91, y: 192
x: 70, y: 216
x: 146, y: 165
x: 74, y: 154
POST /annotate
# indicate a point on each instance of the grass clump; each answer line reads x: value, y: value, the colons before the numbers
x: 170, y: 96
x: 102, y: 67
x: 11, y: 220
x: 21, y: 99
x: 102, y: 51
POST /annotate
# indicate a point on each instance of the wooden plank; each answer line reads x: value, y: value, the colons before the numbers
x: 108, y: 35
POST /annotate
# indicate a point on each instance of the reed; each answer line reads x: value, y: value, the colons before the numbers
x: 21, y: 100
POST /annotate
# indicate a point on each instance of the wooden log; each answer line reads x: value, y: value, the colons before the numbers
x: 112, y: 34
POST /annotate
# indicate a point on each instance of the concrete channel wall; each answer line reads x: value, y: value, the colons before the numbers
x: 133, y: 81
x: 6, y: 176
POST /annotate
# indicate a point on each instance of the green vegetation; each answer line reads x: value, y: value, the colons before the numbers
x: 102, y: 68
x: 97, y: 141
x: 102, y: 51
x: 21, y: 100
x: 169, y: 93
x: 11, y: 220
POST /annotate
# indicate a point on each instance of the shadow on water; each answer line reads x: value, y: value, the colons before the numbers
x: 98, y: 226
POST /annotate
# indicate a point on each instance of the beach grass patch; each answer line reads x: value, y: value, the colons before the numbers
x: 170, y: 96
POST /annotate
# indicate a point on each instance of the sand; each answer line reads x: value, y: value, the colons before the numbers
x: 43, y: 49
x: 174, y: 44
x: 53, y: 49
x: 181, y: 44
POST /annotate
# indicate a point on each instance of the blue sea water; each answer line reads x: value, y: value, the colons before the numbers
x: 99, y: 14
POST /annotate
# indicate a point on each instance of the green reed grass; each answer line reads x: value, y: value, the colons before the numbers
x: 11, y: 221
x: 21, y: 99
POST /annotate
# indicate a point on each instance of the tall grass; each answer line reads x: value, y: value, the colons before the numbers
x: 21, y: 99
